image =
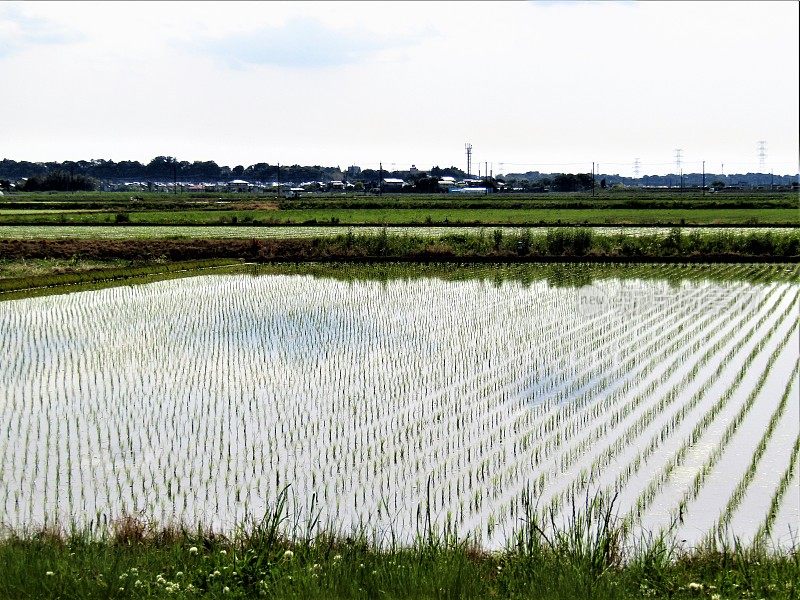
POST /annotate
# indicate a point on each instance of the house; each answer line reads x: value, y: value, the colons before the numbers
x: 447, y: 182
x: 390, y: 184
x: 238, y: 185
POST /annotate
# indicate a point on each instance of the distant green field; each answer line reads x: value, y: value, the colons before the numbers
x: 422, y: 216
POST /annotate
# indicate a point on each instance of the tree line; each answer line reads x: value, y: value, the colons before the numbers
x: 168, y: 168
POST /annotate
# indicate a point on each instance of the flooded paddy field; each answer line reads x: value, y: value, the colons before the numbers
x: 382, y: 398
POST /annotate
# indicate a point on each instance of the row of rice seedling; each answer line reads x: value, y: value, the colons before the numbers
x: 512, y: 467
x: 557, y: 434
x: 698, y: 427
x: 716, y: 478
x: 629, y: 423
x: 776, y: 418
x: 783, y: 493
x: 199, y: 399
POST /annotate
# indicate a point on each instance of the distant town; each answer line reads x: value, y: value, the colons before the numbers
x: 165, y: 173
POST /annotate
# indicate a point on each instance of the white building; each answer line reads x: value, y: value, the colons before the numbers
x: 238, y: 185
x: 390, y: 183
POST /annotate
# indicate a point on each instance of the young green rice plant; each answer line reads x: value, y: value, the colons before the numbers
x: 652, y: 488
x: 750, y: 474
x: 765, y: 529
x: 624, y: 439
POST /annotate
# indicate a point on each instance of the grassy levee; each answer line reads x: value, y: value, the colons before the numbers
x: 42, y: 267
x: 585, y: 555
x: 526, y: 245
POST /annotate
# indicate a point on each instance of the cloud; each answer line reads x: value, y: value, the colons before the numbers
x: 302, y: 43
x: 19, y: 31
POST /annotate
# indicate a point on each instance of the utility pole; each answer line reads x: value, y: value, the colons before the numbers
x: 175, y: 175
x: 592, y: 178
x: 486, y: 175
x: 380, y: 179
x: 704, y: 178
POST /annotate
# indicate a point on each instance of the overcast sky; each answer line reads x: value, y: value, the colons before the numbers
x: 548, y: 86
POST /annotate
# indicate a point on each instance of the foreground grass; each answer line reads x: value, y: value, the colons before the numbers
x: 137, y: 561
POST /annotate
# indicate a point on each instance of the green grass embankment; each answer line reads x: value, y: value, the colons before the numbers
x: 486, y: 245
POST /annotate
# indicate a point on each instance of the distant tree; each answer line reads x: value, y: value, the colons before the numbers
x: 603, y: 183
x: 568, y: 182
x: 584, y: 181
x: 59, y: 181
x: 565, y: 183
x: 426, y: 184
x: 161, y: 168
x: 717, y: 184
x: 448, y: 172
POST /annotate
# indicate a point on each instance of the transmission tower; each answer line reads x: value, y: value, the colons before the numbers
x: 762, y: 154
x: 678, y: 156
x: 468, y: 148
x: 636, y: 168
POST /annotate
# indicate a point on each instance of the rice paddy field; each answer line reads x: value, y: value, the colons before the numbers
x: 458, y: 397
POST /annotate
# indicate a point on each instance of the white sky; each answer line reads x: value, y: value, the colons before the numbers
x: 548, y: 86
